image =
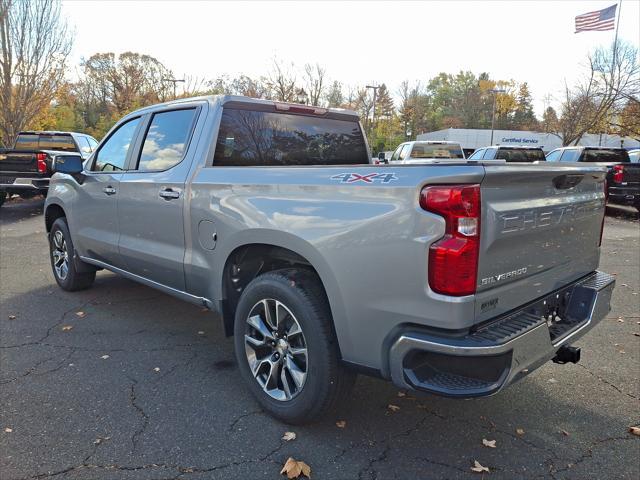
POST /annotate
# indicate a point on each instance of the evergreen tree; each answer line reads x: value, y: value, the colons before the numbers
x: 523, y: 117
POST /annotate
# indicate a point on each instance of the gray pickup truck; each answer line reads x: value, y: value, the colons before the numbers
x: 456, y: 278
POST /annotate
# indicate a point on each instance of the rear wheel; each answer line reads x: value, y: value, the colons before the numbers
x: 286, y: 349
x: 62, y: 256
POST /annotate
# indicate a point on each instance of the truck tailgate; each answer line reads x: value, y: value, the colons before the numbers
x: 540, y: 229
x: 16, y: 161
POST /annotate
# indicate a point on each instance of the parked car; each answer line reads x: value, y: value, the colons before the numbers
x: 623, y: 177
x: 509, y: 154
x: 451, y: 278
x: 26, y: 168
x: 426, y: 152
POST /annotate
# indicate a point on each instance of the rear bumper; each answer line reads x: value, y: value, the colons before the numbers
x: 18, y: 185
x: 503, y: 350
x: 625, y: 195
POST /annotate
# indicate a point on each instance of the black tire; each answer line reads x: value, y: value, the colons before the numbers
x: 327, y: 382
x: 73, y: 280
x: 3, y: 197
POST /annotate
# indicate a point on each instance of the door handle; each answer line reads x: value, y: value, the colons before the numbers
x: 169, y: 193
x: 109, y: 190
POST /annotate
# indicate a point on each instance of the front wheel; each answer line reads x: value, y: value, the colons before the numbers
x: 286, y: 349
x: 62, y: 254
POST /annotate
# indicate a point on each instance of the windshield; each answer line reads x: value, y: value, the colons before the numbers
x: 520, y: 155
x: 434, y: 150
x: 39, y: 141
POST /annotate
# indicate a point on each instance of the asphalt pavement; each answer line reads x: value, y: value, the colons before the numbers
x: 123, y: 382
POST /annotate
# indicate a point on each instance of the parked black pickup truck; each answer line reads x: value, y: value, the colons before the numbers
x: 26, y: 168
x: 623, y: 177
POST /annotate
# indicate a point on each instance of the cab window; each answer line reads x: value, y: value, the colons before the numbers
x: 554, y: 155
x: 404, y: 153
x: 113, y: 154
x: 570, y: 155
x: 477, y: 155
x: 396, y: 154
x: 166, y: 140
x: 489, y: 154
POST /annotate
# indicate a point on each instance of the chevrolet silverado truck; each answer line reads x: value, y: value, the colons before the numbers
x: 453, y: 278
x: 25, y: 169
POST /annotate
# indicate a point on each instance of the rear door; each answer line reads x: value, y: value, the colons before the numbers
x: 152, y: 198
x: 540, y: 229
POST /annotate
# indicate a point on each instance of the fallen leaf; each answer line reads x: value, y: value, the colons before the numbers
x: 9, y: 430
x: 80, y: 314
x: 520, y: 431
x: 288, y: 436
x: 636, y: 334
x: 200, y: 332
x: 632, y: 430
x: 157, y: 369
x: 489, y: 443
x: 294, y: 468
x: 565, y: 433
x: 104, y: 357
x: 479, y: 468
x: 552, y: 380
x: 393, y: 408
x: 620, y: 319
x: 66, y: 328
x: 12, y: 317
x: 341, y: 423
x: 402, y: 394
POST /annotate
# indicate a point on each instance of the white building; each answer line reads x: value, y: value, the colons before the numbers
x: 473, y: 138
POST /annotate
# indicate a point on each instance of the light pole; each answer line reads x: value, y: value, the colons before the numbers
x: 495, y: 92
x: 375, y: 94
x: 174, y: 81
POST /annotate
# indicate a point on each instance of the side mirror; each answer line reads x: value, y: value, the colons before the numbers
x: 70, y: 164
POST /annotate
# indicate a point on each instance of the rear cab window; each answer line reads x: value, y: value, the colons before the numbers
x: 43, y: 141
x: 434, y: 150
x: 269, y: 138
x: 526, y: 155
x: 605, y: 155
x: 554, y: 156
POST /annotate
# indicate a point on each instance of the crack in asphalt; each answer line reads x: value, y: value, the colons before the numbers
x: 232, y: 425
x: 587, y: 454
x: 140, y: 410
x: 606, y: 382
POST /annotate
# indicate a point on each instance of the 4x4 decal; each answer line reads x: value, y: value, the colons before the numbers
x: 365, y: 178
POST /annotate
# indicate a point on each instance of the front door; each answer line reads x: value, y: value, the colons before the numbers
x: 151, y: 199
x: 95, y: 209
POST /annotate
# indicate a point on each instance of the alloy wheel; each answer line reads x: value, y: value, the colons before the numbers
x: 276, y: 349
x: 60, y: 255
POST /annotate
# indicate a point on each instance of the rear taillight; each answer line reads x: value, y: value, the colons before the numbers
x: 618, y: 173
x: 42, y: 164
x: 453, y: 260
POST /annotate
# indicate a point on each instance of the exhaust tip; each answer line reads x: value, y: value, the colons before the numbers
x: 567, y: 355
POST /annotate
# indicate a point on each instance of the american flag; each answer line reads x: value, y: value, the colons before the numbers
x: 599, y: 20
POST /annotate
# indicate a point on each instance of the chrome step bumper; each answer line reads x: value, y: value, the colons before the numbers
x: 503, y: 350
